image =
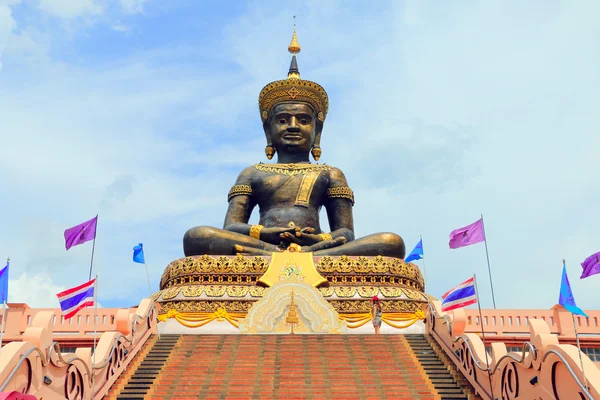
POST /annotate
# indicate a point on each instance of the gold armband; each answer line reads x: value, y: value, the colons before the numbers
x: 255, y: 231
x: 325, y: 236
x: 341, y: 192
x: 237, y: 190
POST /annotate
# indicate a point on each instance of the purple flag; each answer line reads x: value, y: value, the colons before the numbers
x: 591, y: 265
x: 467, y: 235
x: 81, y: 233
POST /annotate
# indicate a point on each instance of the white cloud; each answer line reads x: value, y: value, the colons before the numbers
x: 7, y: 24
x: 133, y: 6
x: 120, y: 27
x: 36, y: 290
x: 69, y: 9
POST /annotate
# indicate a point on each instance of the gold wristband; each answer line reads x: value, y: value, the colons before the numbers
x: 255, y: 231
x: 325, y: 236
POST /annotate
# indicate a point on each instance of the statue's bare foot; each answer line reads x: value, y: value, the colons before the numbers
x: 325, y: 244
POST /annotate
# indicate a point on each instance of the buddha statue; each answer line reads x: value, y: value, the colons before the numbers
x: 291, y: 193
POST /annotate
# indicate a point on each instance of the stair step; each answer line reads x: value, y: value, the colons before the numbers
x: 258, y: 366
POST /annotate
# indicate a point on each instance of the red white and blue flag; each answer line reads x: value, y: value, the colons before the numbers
x: 461, y: 296
x: 74, y: 299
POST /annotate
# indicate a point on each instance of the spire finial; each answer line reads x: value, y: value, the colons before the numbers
x: 294, y: 47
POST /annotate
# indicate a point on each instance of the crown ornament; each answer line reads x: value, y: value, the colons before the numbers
x: 293, y: 88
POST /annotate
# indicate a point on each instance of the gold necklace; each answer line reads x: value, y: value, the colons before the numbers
x: 292, y: 169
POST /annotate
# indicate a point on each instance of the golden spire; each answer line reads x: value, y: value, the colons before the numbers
x: 292, y: 317
x: 294, y: 47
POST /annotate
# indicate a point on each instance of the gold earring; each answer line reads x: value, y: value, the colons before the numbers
x: 270, y: 151
x: 316, y: 152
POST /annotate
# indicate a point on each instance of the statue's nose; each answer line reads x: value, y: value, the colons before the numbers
x: 293, y: 126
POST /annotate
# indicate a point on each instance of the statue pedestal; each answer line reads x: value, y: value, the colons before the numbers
x: 215, y: 294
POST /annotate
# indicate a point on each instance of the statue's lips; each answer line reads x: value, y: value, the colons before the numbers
x: 292, y: 136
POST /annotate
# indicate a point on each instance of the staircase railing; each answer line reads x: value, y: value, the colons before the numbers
x: 36, y: 366
x: 544, y: 369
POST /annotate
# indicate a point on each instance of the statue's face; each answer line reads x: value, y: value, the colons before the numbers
x: 293, y: 127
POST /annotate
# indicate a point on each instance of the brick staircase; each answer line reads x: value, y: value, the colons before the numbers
x: 281, y: 366
x: 446, y: 379
x: 143, y: 371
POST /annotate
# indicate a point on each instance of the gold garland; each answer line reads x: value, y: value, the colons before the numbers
x: 292, y: 169
x: 353, y: 321
x: 198, y: 319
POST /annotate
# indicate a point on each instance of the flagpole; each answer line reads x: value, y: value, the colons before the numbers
x: 577, y: 338
x: 95, y: 332
x: 93, y: 247
x: 483, y: 336
x: 579, y: 348
x: 4, y: 311
x: 487, y: 255
x: 148, y: 277
x: 424, y: 267
x: 3, y: 319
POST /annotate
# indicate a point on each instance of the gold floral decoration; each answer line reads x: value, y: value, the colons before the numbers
x: 380, y: 265
x: 362, y: 265
x: 205, y: 264
x: 171, y: 293
x: 258, y: 265
x: 192, y: 290
x: 257, y: 291
x: 223, y: 265
x: 345, y: 291
x: 344, y: 264
x: 215, y: 290
x: 237, y: 291
x: 190, y: 306
x: 327, y: 291
x: 391, y: 291
x: 240, y: 264
x: 367, y: 291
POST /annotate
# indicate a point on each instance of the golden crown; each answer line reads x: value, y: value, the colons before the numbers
x: 293, y: 89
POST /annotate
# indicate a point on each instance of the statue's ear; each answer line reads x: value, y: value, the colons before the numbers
x: 267, y: 129
x: 269, y: 149
x: 316, y: 149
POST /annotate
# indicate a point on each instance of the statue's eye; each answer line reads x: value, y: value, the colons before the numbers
x: 304, y: 121
x: 282, y: 121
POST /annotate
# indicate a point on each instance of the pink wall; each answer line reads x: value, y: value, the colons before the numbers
x: 19, y: 317
x: 516, y: 322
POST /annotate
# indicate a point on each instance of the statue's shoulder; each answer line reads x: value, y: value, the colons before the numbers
x: 246, y: 176
x: 336, y: 176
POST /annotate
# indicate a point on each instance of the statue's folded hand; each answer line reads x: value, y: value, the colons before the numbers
x: 275, y: 235
x: 304, y: 237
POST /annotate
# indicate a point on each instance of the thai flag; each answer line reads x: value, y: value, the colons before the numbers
x: 74, y: 299
x: 461, y: 296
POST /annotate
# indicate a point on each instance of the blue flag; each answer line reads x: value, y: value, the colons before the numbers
x: 138, y: 254
x: 566, y: 298
x: 4, y: 283
x: 417, y: 252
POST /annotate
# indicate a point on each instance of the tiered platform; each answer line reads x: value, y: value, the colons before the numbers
x: 220, y: 290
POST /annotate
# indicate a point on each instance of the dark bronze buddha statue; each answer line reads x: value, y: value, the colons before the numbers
x: 291, y: 192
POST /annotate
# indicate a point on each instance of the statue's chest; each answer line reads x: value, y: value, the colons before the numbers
x: 301, y: 189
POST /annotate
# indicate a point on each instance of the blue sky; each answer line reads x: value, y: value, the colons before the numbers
x: 145, y: 111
